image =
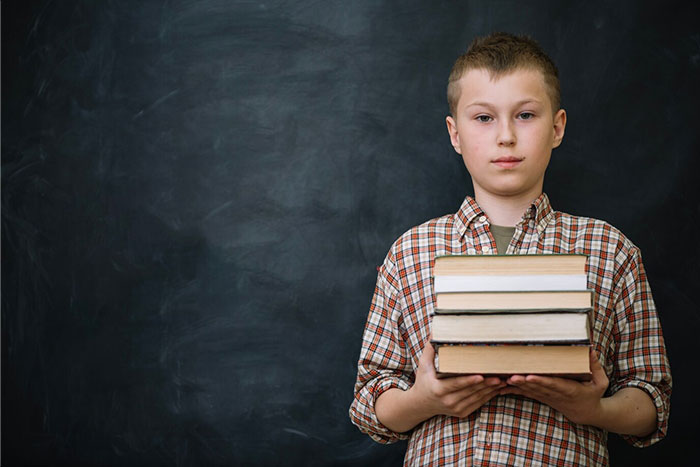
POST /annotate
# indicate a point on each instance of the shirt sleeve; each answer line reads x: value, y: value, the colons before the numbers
x: 641, y: 359
x: 384, y: 358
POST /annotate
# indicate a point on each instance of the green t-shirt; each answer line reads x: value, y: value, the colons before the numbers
x: 502, y: 235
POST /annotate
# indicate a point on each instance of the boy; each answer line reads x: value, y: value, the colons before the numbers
x: 505, y: 120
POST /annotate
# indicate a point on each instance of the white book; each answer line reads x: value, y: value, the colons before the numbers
x: 538, y: 282
x: 504, y: 327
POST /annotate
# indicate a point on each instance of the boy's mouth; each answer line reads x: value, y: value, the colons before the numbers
x: 507, y: 162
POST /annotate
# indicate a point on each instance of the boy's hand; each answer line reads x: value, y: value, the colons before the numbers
x: 456, y: 396
x: 579, y: 402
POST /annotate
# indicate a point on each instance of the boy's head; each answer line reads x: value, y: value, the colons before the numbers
x: 505, y: 116
x: 499, y: 54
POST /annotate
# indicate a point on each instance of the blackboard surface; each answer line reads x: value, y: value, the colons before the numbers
x: 195, y: 197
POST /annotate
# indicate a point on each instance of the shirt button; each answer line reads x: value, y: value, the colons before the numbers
x: 488, y: 437
x: 486, y: 249
x: 482, y: 219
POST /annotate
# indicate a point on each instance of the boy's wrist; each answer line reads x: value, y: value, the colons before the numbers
x: 416, y: 403
x: 600, y: 413
x: 605, y: 414
x: 400, y: 410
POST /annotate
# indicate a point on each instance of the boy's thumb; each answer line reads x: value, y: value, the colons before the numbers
x: 428, y: 354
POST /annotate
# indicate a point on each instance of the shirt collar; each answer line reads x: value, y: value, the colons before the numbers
x: 540, y: 212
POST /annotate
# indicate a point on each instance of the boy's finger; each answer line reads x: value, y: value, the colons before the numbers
x: 457, y: 383
x: 478, y: 398
x: 510, y: 390
x: 426, y: 362
x: 515, y: 379
x: 549, y: 384
x: 594, y: 358
x: 428, y: 352
x: 546, y: 381
x: 478, y: 391
x: 427, y: 358
x: 494, y: 381
x: 599, y: 375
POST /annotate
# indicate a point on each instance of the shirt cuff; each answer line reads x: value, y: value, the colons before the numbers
x: 662, y: 411
x: 374, y: 428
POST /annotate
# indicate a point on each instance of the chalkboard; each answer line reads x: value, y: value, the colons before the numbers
x: 196, y: 195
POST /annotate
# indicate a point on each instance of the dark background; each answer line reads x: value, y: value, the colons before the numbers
x: 196, y: 194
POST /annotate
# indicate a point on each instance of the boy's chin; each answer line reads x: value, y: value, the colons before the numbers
x: 509, y: 187
x: 510, y: 192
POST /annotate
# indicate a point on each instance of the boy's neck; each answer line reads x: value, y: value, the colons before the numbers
x: 505, y: 210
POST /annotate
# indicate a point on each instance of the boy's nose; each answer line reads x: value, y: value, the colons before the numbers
x: 506, y: 135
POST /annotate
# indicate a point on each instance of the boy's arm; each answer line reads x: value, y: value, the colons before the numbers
x: 640, y: 359
x: 629, y: 411
x: 640, y: 390
x: 385, y: 359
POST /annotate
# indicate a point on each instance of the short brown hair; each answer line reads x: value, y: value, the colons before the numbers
x: 501, y: 53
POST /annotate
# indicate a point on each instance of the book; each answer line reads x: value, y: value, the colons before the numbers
x: 465, y: 273
x: 512, y: 314
x: 570, y: 361
x: 567, y: 327
x: 541, y: 282
x: 490, y: 265
x: 513, y: 301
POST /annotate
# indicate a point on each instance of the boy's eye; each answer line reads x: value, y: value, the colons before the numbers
x: 526, y: 115
x: 483, y: 118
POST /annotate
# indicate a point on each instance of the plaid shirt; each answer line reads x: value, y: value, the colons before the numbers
x: 509, y: 429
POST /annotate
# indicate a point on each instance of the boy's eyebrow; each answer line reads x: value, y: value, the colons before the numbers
x: 517, y: 104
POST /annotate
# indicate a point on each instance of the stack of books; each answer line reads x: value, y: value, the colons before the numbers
x: 515, y: 314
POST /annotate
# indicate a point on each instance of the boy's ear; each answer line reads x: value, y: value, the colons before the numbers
x: 559, y: 126
x: 454, y: 135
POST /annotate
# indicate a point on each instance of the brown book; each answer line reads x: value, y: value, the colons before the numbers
x: 564, y: 327
x: 489, y: 265
x: 569, y: 361
x: 512, y: 301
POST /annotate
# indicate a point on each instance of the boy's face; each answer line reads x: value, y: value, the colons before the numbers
x: 505, y: 131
